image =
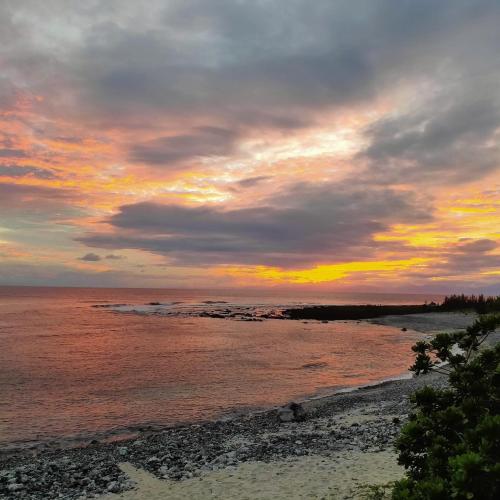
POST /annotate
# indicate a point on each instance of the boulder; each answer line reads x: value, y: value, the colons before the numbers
x: 292, y: 412
x: 298, y: 411
x: 286, y: 415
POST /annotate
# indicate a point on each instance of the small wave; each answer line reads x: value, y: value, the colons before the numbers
x: 110, y: 305
x: 314, y: 366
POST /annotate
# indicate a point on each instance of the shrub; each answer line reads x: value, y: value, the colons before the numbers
x: 450, y: 446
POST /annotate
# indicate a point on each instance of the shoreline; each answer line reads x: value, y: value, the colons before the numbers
x: 183, y: 461
x: 426, y: 323
x: 337, y: 429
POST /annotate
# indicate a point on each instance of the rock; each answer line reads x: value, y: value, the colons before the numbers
x: 114, y: 487
x: 404, y: 329
x: 298, y: 411
x: 123, y: 451
x: 285, y: 415
x: 292, y: 412
x: 15, y: 487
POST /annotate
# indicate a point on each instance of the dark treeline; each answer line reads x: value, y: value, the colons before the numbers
x: 479, y: 304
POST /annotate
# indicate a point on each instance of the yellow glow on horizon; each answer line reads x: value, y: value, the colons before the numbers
x: 322, y: 273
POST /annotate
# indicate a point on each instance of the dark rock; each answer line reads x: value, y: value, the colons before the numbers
x: 292, y: 412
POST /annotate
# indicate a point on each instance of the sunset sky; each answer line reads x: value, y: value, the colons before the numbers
x: 343, y: 145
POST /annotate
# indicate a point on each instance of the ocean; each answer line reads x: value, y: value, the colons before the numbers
x: 78, y: 364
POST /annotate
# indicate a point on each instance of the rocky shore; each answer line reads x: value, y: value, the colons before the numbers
x: 363, y: 421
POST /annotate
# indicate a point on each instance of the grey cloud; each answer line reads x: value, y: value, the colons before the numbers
x: 26, y: 171
x: 203, y: 141
x: 476, y: 246
x: 454, y: 138
x: 90, y: 257
x: 114, y: 257
x: 473, y: 256
x: 12, y: 153
x: 466, y: 257
x: 253, y: 181
x: 234, y: 59
x: 305, y: 224
x: 93, y: 257
x: 13, y: 195
x: 268, y: 64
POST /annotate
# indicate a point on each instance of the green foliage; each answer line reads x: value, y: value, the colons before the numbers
x: 450, y: 446
x: 379, y: 491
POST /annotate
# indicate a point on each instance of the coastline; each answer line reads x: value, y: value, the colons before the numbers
x: 345, y: 444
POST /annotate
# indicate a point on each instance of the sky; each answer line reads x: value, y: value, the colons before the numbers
x: 345, y: 145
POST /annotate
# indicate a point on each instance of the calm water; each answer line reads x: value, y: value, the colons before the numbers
x: 70, y: 371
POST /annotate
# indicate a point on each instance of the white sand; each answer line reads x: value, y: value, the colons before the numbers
x: 343, y: 476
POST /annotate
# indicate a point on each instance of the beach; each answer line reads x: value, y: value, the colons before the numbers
x: 344, y: 445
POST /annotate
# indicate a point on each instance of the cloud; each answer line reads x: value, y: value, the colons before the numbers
x: 472, y: 256
x: 91, y: 257
x: 213, y: 67
x: 167, y: 151
x: 14, y: 196
x: 454, y: 138
x: 12, y: 153
x: 26, y: 171
x: 301, y: 225
x: 253, y: 181
x: 468, y: 246
x: 114, y: 257
x: 465, y: 259
x: 248, y: 62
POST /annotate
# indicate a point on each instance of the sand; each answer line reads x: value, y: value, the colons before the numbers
x: 342, y: 476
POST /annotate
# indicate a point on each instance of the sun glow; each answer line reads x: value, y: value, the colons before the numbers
x: 324, y: 272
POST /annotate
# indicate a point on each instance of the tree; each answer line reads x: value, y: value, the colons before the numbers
x: 450, y: 446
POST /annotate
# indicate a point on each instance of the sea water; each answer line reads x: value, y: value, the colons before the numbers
x: 71, y: 372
